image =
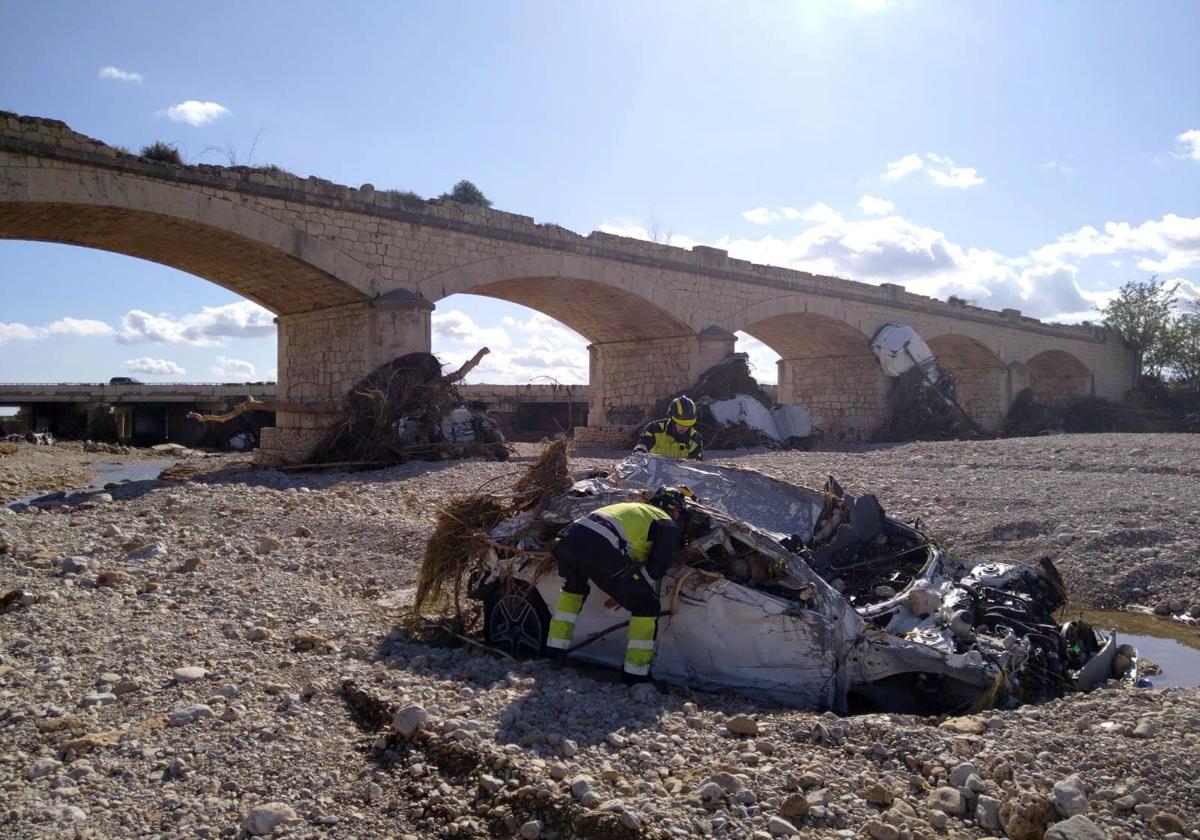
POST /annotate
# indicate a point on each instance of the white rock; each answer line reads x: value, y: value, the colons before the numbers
x: 780, y: 827
x: 189, y: 714
x: 266, y: 818
x: 190, y: 674
x: 490, y: 783
x: 150, y: 551
x: 1070, y: 798
x: 409, y: 719
x: 1077, y: 827
x: 44, y: 766
x: 531, y: 830
x: 580, y: 785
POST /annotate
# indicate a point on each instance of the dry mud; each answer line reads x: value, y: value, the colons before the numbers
x: 176, y: 670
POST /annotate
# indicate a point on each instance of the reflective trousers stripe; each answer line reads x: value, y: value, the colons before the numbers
x: 562, y: 625
x: 639, y: 649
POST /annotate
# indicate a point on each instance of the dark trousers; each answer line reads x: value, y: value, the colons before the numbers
x: 584, y: 556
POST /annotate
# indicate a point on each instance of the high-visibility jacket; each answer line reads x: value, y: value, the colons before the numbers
x: 658, y: 440
x: 644, y: 532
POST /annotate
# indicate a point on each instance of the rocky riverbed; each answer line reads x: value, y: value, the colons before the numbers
x: 210, y: 659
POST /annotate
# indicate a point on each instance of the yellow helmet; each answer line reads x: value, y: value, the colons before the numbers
x: 683, y: 411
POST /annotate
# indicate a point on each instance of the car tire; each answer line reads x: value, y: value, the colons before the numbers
x: 516, y: 620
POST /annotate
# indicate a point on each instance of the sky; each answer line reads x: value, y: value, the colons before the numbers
x: 1017, y: 154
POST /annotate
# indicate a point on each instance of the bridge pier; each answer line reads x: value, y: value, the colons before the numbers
x: 323, y: 353
x: 845, y: 394
x: 628, y: 377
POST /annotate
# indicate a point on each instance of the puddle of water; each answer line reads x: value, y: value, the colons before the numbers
x: 1173, y: 646
x: 109, y: 472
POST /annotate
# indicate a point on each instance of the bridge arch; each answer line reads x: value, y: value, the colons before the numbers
x: 248, y: 252
x: 981, y: 377
x: 639, y: 351
x: 825, y: 363
x: 1056, y: 376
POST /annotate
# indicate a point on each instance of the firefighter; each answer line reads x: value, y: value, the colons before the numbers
x: 676, y: 435
x: 623, y: 549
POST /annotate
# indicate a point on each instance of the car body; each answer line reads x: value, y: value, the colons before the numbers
x: 809, y: 598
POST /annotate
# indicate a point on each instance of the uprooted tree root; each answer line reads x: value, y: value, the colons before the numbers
x: 460, y: 531
x: 920, y: 410
x: 461, y: 763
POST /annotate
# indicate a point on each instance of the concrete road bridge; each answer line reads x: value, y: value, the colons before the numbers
x: 353, y: 275
x: 155, y: 412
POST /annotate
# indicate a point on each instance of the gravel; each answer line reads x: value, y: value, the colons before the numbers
x: 220, y: 663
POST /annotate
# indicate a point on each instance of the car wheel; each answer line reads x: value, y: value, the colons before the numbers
x: 516, y: 620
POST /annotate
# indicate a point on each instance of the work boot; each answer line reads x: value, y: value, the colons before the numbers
x: 634, y: 679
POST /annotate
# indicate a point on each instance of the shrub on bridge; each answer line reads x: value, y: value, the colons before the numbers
x: 162, y: 153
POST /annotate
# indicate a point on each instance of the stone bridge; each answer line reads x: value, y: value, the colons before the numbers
x: 353, y: 275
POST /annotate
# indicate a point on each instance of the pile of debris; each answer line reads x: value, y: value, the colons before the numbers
x: 921, y: 402
x: 735, y: 411
x: 407, y: 409
x: 1141, y: 412
x: 810, y: 598
x: 404, y: 409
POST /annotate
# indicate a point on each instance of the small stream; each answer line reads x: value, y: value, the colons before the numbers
x: 1173, y: 646
x: 111, y: 477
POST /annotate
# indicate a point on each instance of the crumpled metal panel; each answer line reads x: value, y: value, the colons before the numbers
x: 776, y: 507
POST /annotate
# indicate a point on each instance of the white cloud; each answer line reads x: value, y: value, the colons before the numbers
x: 454, y: 325
x: 873, y: 206
x: 870, y: 7
x: 1171, y: 244
x: 1189, y: 144
x: 1061, y: 167
x: 197, y: 113
x: 819, y: 212
x: 154, y: 367
x: 233, y: 369
x: 942, y: 171
x: 82, y: 327
x: 210, y: 326
x: 85, y: 327
x: 763, y: 216
x: 905, y: 166
x: 120, y: 75
x: 760, y: 216
x: 763, y: 360
x: 16, y: 332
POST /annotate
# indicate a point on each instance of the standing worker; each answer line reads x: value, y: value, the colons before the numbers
x: 676, y: 435
x: 622, y: 548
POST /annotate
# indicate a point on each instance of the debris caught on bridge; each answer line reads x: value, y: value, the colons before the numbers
x: 408, y: 409
x: 735, y: 411
x: 921, y: 401
x: 811, y: 598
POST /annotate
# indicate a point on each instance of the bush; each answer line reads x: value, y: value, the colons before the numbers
x: 465, y: 192
x: 162, y: 153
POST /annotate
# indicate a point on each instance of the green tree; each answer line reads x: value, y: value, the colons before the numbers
x: 1142, y: 313
x: 1183, y: 347
x: 465, y: 192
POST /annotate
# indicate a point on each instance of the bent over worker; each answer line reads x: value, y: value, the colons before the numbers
x: 676, y: 435
x: 622, y: 548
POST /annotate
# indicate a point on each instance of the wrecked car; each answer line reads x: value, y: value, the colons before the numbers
x: 809, y: 598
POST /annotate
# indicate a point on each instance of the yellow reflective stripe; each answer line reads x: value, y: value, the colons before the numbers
x: 641, y: 628
x: 568, y: 602
x: 568, y: 617
x: 558, y: 644
x: 638, y: 644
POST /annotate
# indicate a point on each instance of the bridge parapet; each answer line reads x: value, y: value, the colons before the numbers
x: 47, y: 138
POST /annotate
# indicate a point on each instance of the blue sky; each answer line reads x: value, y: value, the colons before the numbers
x: 1032, y: 155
